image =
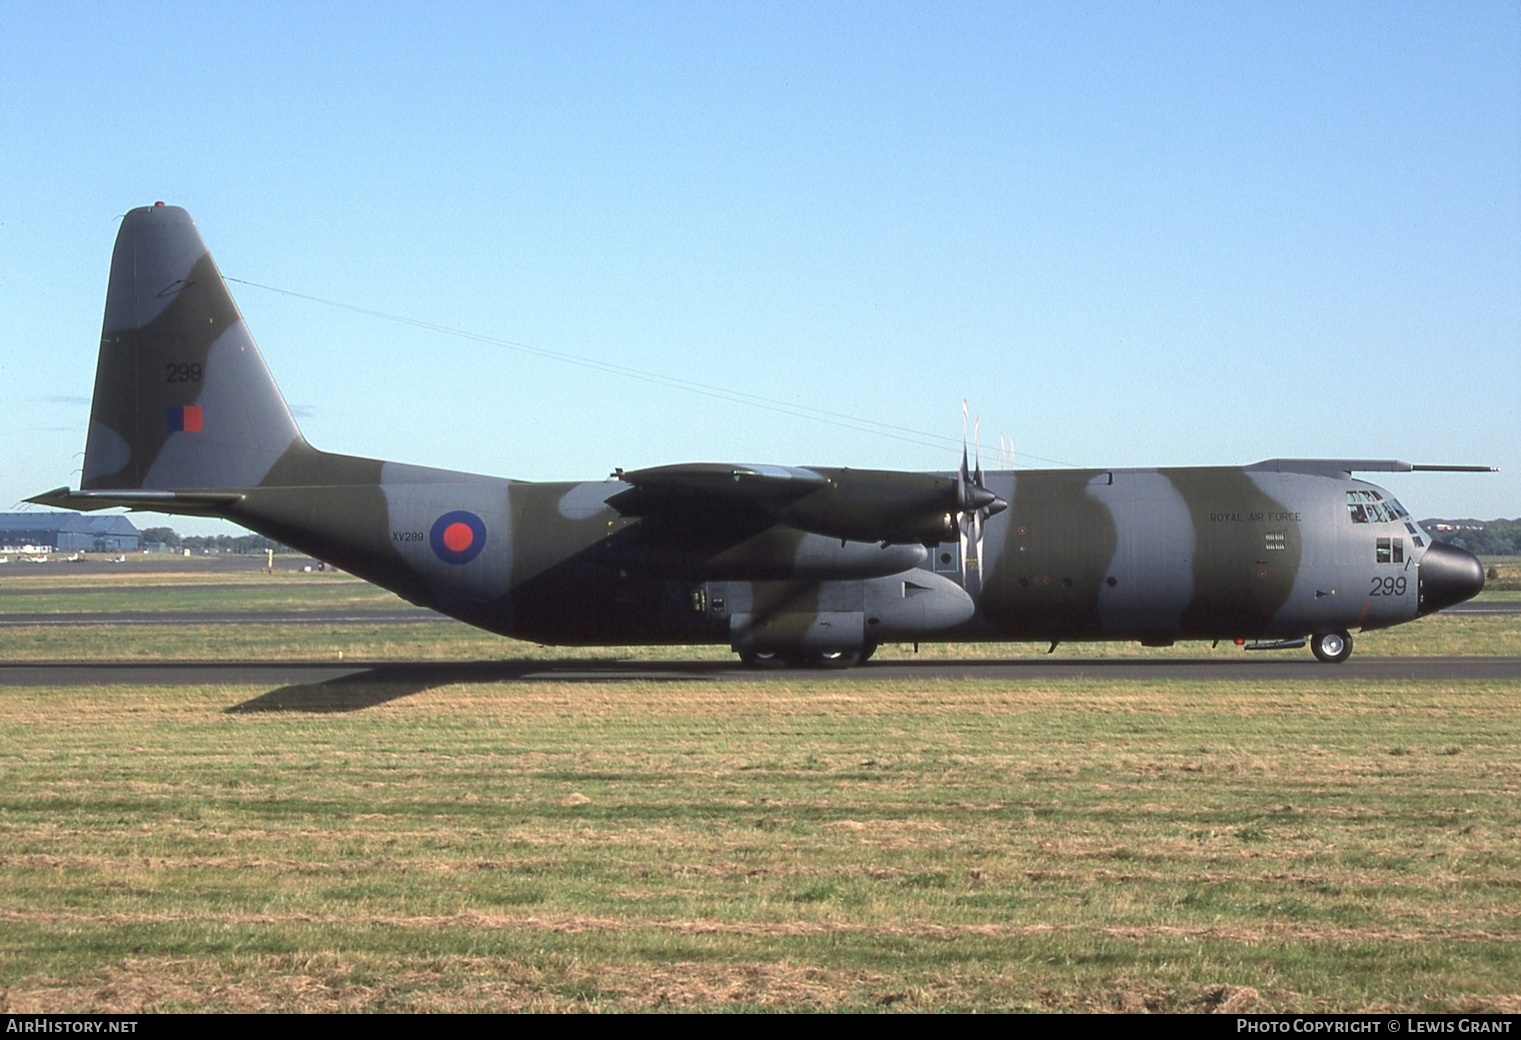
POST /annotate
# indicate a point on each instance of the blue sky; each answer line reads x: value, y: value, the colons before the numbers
x: 1131, y: 234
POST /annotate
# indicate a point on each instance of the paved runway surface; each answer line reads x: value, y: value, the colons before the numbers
x: 421, y: 675
x: 1495, y: 606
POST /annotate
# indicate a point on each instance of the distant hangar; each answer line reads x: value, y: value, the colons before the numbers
x: 69, y: 532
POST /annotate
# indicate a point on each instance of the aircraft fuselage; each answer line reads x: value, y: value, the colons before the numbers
x: 1149, y: 555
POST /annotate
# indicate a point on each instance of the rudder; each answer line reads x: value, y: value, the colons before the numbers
x: 183, y: 398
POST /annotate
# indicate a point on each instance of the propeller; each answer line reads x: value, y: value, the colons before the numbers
x: 976, y: 503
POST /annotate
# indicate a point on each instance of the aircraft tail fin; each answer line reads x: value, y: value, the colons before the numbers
x: 183, y: 399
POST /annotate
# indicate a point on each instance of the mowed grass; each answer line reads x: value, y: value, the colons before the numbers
x: 65, y: 592
x: 1502, y: 574
x: 839, y: 843
x: 836, y: 843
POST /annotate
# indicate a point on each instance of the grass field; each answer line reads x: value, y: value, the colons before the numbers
x: 1502, y: 573
x: 800, y: 843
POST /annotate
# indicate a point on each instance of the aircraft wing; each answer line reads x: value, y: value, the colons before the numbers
x: 1346, y: 467
x: 885, y: 506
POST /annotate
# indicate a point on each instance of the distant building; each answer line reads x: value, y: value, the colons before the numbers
x: 69, y: 532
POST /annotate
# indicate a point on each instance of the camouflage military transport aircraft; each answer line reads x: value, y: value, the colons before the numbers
x: 788, y: 566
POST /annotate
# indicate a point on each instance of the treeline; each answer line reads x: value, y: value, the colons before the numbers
x: 1480, y: 537
x: 220, y: 543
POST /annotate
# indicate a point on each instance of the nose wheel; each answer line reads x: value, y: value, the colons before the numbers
x: 1331, y: 647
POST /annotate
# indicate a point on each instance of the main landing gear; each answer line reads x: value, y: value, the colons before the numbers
x: 1331, y: 647
x: 835, y: 660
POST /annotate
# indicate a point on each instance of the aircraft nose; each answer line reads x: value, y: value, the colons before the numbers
x: 1448, y: 575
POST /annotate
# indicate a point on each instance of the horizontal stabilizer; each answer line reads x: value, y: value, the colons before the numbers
x: 191, y: 503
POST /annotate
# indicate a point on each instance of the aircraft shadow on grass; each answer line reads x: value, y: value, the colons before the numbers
x: 378, y: 684
x: 372, y: 685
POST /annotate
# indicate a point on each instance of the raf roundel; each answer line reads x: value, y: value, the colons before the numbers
x: 457, y: 537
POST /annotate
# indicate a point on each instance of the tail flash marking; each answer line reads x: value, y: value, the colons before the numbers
x: 184, y: 419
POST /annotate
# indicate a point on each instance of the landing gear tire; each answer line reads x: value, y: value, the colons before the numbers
x: 1331, y: 647
x: 871, y: 648
x: 774, y: 660
x: 833, y: 660
x: 763, y: 660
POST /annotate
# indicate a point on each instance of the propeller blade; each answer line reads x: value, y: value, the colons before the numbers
x: 977, y: 444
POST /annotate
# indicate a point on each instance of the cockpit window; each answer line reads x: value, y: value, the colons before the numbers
x: 1369, y: 507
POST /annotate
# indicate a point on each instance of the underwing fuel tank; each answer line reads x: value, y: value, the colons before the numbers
x: 847, y: 616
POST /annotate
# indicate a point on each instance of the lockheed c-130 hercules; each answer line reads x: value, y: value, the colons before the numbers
x: 786, y: 565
